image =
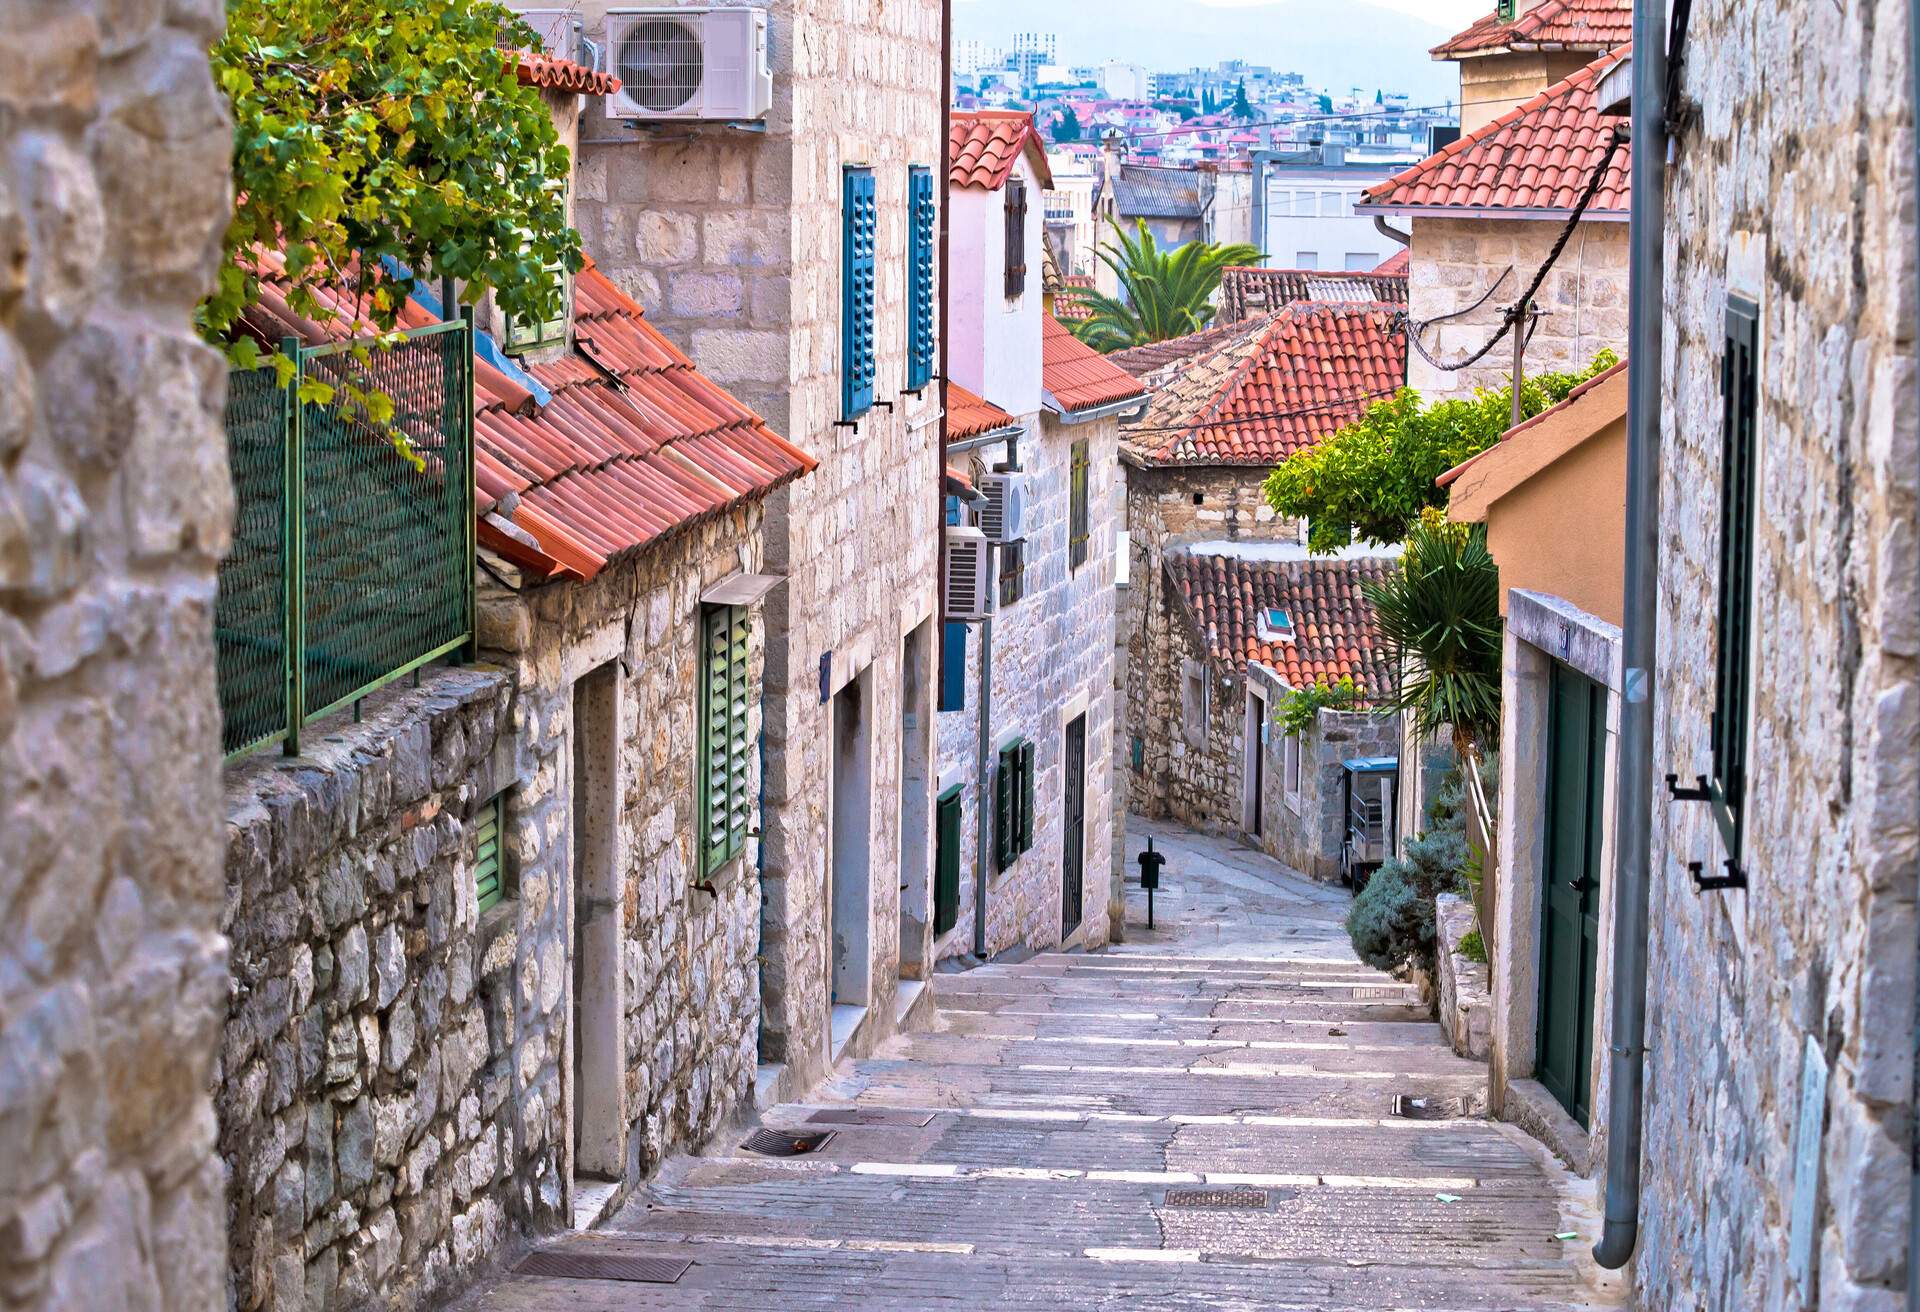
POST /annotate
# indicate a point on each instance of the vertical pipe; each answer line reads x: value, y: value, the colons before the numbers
x: 293, y: 537
x: 940, y: 444
x: 1633, y: 818
x: 983, y: 821
x: 1913, y: 1185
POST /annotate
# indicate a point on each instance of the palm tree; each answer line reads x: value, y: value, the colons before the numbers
x: 1163, y: 294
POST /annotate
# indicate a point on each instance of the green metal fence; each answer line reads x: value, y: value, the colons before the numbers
x: 352, y: 562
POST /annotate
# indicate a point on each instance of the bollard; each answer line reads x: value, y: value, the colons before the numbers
x: 1150, y: 863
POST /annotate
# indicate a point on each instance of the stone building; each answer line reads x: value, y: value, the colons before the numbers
x: 1520, y: 49
x: 114, y: 509
x: 1487, y: 211
x: 742, y: 243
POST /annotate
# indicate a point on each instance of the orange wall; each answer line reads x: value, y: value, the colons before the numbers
x: 1563, y: 530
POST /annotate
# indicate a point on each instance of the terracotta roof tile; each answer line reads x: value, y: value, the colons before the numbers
x: 1397, y: 265
x: 1537, y: 156
x: 1068, y: 305
x: 1246, y: 292
x: 1284, y: 383
x: 970, y: 416
x: 553, y: 74
x: 1334, y: 629
x: 1549, y: 25
x: 1157, y: 363
x: 983, y: 144
x: 1076, y: 376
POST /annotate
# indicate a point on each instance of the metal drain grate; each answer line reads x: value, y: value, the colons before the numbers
x: 1429, y: 1109
x: 1370, y: 993
x: 871, y: 1116
x: 560, y: 1264
x: 779, y: 1143
x: 1219, y: 1199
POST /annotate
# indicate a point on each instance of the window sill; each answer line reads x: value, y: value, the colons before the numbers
x: 724, y: 878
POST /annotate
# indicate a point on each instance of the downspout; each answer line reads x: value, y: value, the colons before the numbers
x: 1387, y: 230
x: 1913, y: 1185
x: 940, y: 473
x: 1633, y: 818
x: 983, y: 812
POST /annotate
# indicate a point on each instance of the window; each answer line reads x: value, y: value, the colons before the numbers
x: 724, y: 783
x: 519, y: 336
x: 1013, y: 572
x: 1193, y: 703
x: 1504, y: 10
x: 1016, y: 237
x: 1290, y: 763
x: 1306, y: 260
x: 859, y: 222
x: 1734, y: 664
x: 920, y: 262
x: 1079, y: 528
x: 489, y: 885
x: 953, y: 667
x: 1013, y: 803
x: 1362, y: 261
x: 1333, y: 204
x: 946, y: 861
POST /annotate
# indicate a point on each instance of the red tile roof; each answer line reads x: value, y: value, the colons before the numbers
x: 553, y: 74
x: 1068, y: 305
x: 1537, y: 156
x: 1156, y: 362
x: 1077, y: 377
x: 1246, y: 292
x: 1397, y: 265
x: 982, y: 145
x: 970, y: 416
x: 1549, y: 25
x: 1286, y: 382
x: 1334, y: 629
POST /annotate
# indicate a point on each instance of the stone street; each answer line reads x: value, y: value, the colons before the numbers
x: 1237, y: 1052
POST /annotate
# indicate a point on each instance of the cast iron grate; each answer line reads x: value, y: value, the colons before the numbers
x: 1429, y: 1109
x: 1375, y: 993
x: 562, y: 1264
x: 1219, y: 1199
x: 871, y: 1116
x: 779, y: 1143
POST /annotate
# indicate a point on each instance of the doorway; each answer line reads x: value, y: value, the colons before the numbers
x: 1253, y: 773
x: 1073, y: 866
x: 1570, y: 917
x: 598, y: 1066
x: 850, y: 958
x: 916, y: 789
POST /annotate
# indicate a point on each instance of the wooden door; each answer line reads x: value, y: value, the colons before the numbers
x: 1570, y: 919
x: 1074, y: 858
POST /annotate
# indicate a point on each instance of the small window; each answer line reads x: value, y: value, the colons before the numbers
x: 1290, y: 758
x: 1504, y: 10
x: 1275, y: 625
x: 1362, y: 262
x: 1013, y: 572
x: 1739, y: 396
x: 520, y: 336
x: 1079, y: 527
x: 946, y: 862
x: 725, y: 782
x: 1193, y: 703
x: 489, y: 880
x: 953, y: 667
x: 860, y: 224
x: 1306, y: 260
x: 920, y: 271
x: 1016, y: 260
x: 1013, y: 803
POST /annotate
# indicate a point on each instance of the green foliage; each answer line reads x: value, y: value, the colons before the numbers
x: 1242, y: 107
x: 372, y: 128
x: 1374, y: 477
x: 1301, y: 709
x: 1392, y: 922
x: 1439, y: 618
x: 1067, y: 126
x: 1163, y: 294
x: 1473, y: 947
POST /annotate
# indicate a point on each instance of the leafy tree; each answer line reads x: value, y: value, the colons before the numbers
x: 366, y: 129
x: 1326, y: 104
x: 1374, y: 477
x: 1242, y: 107
x: 1067, y: 126
x: 1301, y: 710
x: 1164, y: 294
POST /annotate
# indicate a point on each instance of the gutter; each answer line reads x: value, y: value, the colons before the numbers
x: 1385, y: 229
x: 1633, y: 819
x: 1128, y: 408
x: 1494, y: 212
x: 1010, y: 433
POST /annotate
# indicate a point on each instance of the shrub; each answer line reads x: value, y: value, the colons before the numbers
x: 1390, y: 923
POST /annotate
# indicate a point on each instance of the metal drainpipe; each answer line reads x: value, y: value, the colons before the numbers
x: 983, y: 818
x: 1633, y: 818
x: 940, y: 446
x: 1913, y: 1187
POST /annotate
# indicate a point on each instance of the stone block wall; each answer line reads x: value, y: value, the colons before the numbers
x: 1308, y: 829
x: 1195, y: 782
x: 1456, y: 261
x: 114, y: 509
x: 1794, y: 188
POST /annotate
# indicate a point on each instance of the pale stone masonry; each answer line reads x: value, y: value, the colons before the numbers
x: 1793, y: 187
x: 114, y: 509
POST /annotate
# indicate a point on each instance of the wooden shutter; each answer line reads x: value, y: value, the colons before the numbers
x: 725, y: 786
x: 1016, y: 237
x: 1013, y: 571
x: 1026, y: 796
x: 953, y: 667
x: 1079, y: 525
x: 920, y: 289
x: 488, y: 886
x: 1006, y: 819
x: 1734, y: 663
x: 860, y: 224
x: 946, y: 862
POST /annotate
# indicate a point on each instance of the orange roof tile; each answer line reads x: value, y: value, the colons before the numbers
x: 970, y: 416
x: 1246, y: 291
x: 1068, y: 304
x: 1536, y: 157
x: 1549, y: 25
x: 1285, y: 382
x: 1335, y: 633
x: 553, y: 74
x: 1397, y: 265
x: 1157, y: 363
x: 1077, y: 377
x: 982, y: 145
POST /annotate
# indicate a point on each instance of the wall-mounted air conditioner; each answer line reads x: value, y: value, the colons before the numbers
x: 969, y: 566
x: 559, y: 30
x: 689, y: 64
x: 1004, y: 513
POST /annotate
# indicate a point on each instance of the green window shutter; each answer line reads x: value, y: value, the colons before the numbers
x: 920, y: 289
x: 860, y: 223
x: 1739, y: 393
x: 1026, y: 796
x: 739, y: 785
x: 725, y: 753
x: 946, y: 862
x: 489, y: 823
x: 1079, y: 520
x: 1006, y: 818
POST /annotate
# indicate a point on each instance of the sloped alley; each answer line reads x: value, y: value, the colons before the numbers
x: 1238, y: 1052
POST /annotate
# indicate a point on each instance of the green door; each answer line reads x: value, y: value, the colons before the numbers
x: 1570, y: 923
x: 946, y: 862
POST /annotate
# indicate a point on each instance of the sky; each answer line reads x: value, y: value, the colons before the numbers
x: 1447, y: 13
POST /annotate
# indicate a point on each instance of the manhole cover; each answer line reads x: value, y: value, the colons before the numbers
x: 1429, y: 1109
x: 870, y: 1116
x: 561, y: 1264
x: 778, y: 1143
x: 1248, y: 1199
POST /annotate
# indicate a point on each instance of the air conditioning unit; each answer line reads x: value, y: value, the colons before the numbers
x: 689, y: 64
x: 969, y: 566
x: 558, y: 29
x: 1003, y: 515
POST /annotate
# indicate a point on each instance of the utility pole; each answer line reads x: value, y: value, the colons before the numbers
x: 1521, y: 314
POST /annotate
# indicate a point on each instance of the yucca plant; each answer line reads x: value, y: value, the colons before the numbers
x: 1164, y: 294
x: 1439, y: 615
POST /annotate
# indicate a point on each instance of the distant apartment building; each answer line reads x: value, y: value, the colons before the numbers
x: 1308, y: 221
x: 1124, y: 81
x: 971, y: 57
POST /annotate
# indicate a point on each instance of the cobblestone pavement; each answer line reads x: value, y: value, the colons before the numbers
x: 1237, y: 1051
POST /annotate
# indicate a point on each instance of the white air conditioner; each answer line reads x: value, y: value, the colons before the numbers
x: 969, y: 566
x: 689, y: 64
x: 1003, y: 515
x: 558, y: 30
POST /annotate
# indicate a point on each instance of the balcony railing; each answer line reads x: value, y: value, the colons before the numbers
x: 353, y: 553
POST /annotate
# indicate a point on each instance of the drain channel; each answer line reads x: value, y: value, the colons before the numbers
x: 779, y: 1143
x: 1219, y: 1199
x: 871, y: 1116
x: 560, y: 1264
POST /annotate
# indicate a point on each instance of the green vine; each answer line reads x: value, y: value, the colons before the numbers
x: 1301, y: 709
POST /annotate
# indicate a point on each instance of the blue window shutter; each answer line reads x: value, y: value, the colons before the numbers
x: 953, y: 668
x: 860, y: 225
x: 920, y: 310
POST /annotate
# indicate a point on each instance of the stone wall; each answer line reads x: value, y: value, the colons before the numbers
x: 114, y: 508
x: 1307, y: 830
x: 380, y: 1138
x: 1794, y: 188
x: 1456, y: 261
x: 1197, y: 782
